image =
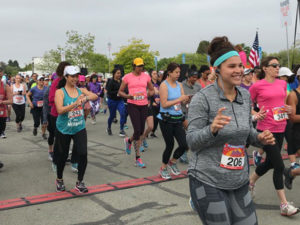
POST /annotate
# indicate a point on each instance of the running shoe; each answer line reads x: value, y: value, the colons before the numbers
x: 252, y: 190
x: 115, y: 120
x: 145, y: 144
x: 295, y: 166
x: 139, y: 163
x: 50, y: 156
x: 125, y: 127
x: 288, y: 181
x: 127, y: 146
x: 3, y: 136
x: 93, y: 121
x: 256, y: 158
x: 164, y: 173
x: 44, y: 136
x: 54, y: 168
x: 174, y: 169
x: 1, y: 164
x: 19, y: 129
x: 122, y: 133
x: 142, y: 149
x: 74, y: 167
x: 184, y: 159
x: 192, y: 204
x: 288, y: 209
x: 60, y: 186
x: 108, y: 131
x: 153, y: 135
x: 80, y: 187
x: 34, y: 131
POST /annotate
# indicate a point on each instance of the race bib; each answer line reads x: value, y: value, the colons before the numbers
x: 1, y: 112
x: 76, y: 112
x: 280, y: 114
x: 138, y: 96
x: 233, y: 157
x: 177, y: 107
x: 39, y: 103
x: 19, y: 99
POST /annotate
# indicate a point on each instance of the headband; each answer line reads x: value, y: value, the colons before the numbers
x: 224, y: 57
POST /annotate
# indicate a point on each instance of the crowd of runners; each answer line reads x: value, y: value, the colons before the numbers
x: 215, y: 112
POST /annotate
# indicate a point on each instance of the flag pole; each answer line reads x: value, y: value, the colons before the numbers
x: 295, y: 34
x: 287, y: 44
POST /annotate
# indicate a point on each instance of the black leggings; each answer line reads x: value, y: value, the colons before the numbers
x: 273, y: 161
x: 61, y: 151
x: 19, y: 111
x: 37, y: 114
x: 169, y: 131
x: 2, y: 124
x: 155, y: 113
x: 51, y: 128
x: 138, y: 115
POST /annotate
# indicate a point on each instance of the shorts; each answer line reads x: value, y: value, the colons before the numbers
x: 150, y: 111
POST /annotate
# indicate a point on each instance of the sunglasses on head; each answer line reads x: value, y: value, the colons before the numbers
x: 274, y: 65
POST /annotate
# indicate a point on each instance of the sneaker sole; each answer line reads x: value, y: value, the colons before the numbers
x: 122, y: 135
x: 165, y: 178
x: 140, y: 166
x: 284, y: 214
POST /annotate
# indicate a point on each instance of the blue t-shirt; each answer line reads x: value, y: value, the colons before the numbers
x: 38, y: 96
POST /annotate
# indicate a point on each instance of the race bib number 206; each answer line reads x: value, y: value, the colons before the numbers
x: 233, y: 157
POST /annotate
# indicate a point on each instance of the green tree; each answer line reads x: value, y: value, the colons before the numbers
x: 27, y: 67
x: 97, y: 62
x: 50, y: 61
x: 202, y: 47
x: 135, y: 48
x: 283, y: 59
x: 164, y: 62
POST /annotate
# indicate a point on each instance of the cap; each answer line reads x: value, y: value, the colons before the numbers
x: 71, y: 70
x: 138, y: 62
x: 87, y: 76
x: 47, y: 78
x: 247, y: 71
x: 161, y: 72
x: 284, y: 71
x: 81, y: 78
x: 193, y: 73
x: 40, y: 77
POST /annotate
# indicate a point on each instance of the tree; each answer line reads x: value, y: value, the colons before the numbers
x: 282, y: 56
x: 97, y: 62
x: 135, y: 48
x: 202, y: 47
x: 50, y: 61
x: 164, y: 62
x: 27, y: 67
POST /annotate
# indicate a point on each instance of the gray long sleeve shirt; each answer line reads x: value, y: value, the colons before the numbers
x: 206, y: 148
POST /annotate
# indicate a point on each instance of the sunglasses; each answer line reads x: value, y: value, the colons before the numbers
x: 275, y: 65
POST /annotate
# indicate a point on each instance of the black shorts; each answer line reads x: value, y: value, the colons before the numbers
x: 150, y: 111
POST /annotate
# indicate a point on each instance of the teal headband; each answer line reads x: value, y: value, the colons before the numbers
x: 224, y: 57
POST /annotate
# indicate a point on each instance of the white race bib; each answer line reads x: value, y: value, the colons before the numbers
x: 233, y: 157
x: 39, y: 103
x: 279, y: 114
x: 76, y: 112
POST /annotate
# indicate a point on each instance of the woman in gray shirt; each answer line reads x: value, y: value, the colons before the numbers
x: 219, y: 127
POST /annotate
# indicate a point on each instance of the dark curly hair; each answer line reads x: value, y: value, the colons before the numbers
x: 61, y: 67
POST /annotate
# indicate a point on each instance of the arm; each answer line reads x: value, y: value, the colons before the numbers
x: 150, y: 88
x: 29, y: 93
x: 9, y: 96
x: 293, y: 101
x: 122, y: 93
x: 59, y: 100
x: 88, y: 95
x: 199, y: 134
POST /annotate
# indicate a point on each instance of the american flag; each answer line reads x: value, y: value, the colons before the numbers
x: 254, y: 54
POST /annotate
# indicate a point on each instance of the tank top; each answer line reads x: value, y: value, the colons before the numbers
x: 18, y: 99
x: 73, y: 121
x: 296, y: 126
x: 173, y: 93
x: 2, y: 97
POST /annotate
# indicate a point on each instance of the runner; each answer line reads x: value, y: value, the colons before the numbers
x: 171, y: 120
x: 270, y: 93
x: 137, y: 83
x: 190, y: 88
x: 19, y: 92
x: 219, y: 127
x: 294, y: 144
x: 247, y: 79
x: 94, y: 87
x: 115, y: 102
x: 204, y: 72
x: 36, y: 105
x: 155, y: 101
x: 70, y: 124
x: 5, y: 99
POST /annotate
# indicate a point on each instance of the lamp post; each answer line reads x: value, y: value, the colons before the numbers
x: 109, y: 48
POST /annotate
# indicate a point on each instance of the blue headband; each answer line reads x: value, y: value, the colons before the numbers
x: 224, y: 57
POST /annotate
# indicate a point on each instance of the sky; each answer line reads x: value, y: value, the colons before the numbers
x: 32, y: 27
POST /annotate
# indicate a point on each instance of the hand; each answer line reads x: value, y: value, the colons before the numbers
x: 261, y: 114
x: 219, y: 121
x: 288, y: 109
x: 184, y: 98
x: 266, y: 138
x: 130, y: 97
x: 31, y: 105
x: 80, y: 100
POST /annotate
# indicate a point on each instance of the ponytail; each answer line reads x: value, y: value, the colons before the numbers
x: 62, y: 83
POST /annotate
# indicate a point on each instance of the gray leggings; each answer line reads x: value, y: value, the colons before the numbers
x: 222, y: 207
